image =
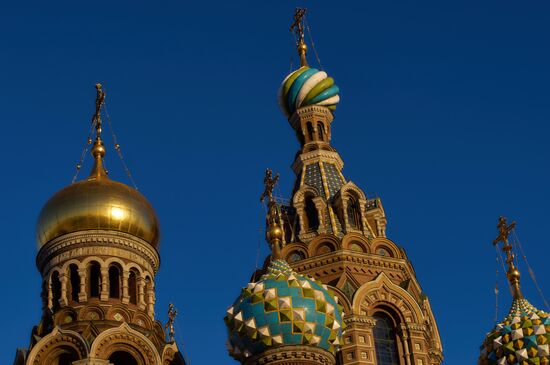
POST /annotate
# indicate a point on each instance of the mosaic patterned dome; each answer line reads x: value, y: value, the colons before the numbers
x: 522, y: 338
x: 283, y: 308
x: 307, y: 86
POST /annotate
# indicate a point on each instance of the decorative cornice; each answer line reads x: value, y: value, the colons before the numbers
x: 295, y: 355
x: 357, y: 319
x: 317, y: 155
x: 94, y: 242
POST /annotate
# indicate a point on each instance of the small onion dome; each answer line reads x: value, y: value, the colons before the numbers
x: 522, y: 338
x: 307, y: 86
x: 283, y: 308
x: 98, y: 203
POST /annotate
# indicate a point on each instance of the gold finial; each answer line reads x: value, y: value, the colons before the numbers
x: 98, y: 150
x: 513, y: 274
x: 274, y: 232
x: 298, y: 28
x: 172, y: 313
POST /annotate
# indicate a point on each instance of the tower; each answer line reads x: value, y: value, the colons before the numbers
x: 522, y: 337
x: 334, y: 233
x: 98, y: 253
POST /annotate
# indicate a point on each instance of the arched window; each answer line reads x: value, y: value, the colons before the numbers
x: 62, y: 355
x: 56, y: 290
x: 321, y: 131
x: 353, y: 211
x: 312, y: 220
x: 94, y: 273
x: 382, y: 251
x: 310, y: 132
x: 132, y: 287
x: 74, y: 282
x: 122, y: 358
x: 385, y: 344
x: 295, y: 256
x: 114, y: 282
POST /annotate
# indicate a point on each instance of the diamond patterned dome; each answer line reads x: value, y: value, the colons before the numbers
x: 522, y: 338
x: 283, y: 308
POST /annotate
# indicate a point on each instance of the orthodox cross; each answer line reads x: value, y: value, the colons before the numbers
x: 172, y: 313
x: 298, y: 25
x: 269, y: 183
x: 504, y: 231
x: 99, y: 100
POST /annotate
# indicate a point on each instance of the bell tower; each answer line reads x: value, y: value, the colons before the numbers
x: 336, y: 233
x: 98, y: 253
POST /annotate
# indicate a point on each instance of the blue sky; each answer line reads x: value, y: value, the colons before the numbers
x: 444, y: 115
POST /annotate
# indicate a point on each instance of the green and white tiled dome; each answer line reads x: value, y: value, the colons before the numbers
x: 283, y: 308
x: 522, y: 338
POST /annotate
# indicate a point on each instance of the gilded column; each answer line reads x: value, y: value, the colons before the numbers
x: 104, y: 284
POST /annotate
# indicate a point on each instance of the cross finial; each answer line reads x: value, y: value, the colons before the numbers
x: 298, y: 28
x: 98, y: 150
x: 513, y: 274
x: 269, y: 185
x: 99, y: 100
x: 172, y: 313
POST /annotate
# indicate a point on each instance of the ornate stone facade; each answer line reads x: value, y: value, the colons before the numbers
x: 336, y: 234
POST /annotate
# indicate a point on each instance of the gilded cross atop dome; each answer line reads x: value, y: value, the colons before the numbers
x: 269, y: 185
x: 98, y: 150
x: 513, y: 273
x: 298, y: 28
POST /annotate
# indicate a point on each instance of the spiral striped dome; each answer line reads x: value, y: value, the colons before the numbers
x: 307, y: 86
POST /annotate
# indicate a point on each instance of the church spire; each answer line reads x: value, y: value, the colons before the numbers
x: 298, y: 28
x: 98, y: 150
x: 512, y: 274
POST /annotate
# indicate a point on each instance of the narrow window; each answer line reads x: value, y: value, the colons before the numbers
x: 95, y: 280
x: 354, y: 217
x: 311, y: 215
x: 321, y: 131
x: 114, y: 282
x: 384, y: 341
x: 56, y: 290
x: 74, y: 281
x: 132, y: 287
x: 310, y: 131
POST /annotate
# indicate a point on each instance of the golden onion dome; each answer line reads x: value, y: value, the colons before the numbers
x: 98, y: 203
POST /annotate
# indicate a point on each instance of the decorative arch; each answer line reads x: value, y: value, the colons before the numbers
x: 324, y: 240
x: 351, y: 188
x: 118, y: 313
x: 383, y: 292
x: 56, y: 342
x: 355, y: 238
x: 342, y: 299
x: 382, y: 242
x: 124, y: 338
x: 305, y: 190
x: 91, y: 313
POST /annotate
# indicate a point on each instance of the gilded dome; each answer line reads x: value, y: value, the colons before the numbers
x: 283, y: 308
x: 98, y: 203
x: 521, y: 338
